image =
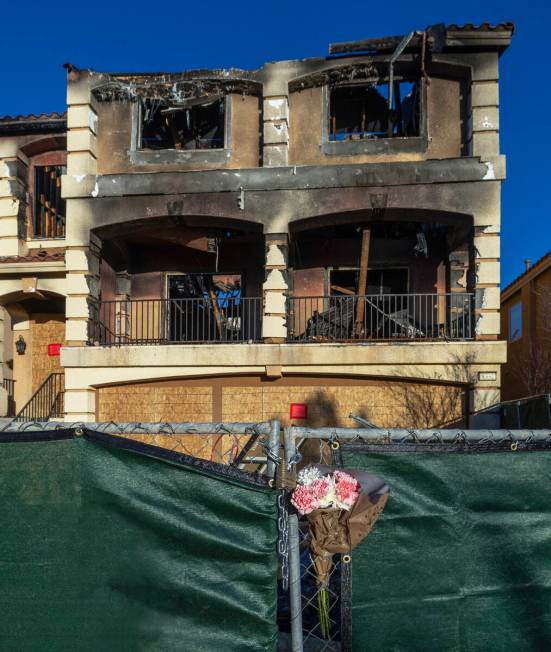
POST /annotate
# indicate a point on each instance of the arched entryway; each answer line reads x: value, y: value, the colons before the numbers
x: 34, y: 327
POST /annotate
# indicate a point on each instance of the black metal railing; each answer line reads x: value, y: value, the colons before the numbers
x: 176, y: 321
x: 381, y: 317
x: 47, y: 402
x: 9, y: 385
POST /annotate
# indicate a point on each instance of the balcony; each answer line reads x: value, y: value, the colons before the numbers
x: 212, y: 320
x: 380, y: 317
x: 175, y: 321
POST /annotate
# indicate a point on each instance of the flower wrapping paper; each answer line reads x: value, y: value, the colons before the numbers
x: 337, y: 531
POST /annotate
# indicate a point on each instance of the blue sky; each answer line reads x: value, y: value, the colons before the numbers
x: 36, y: 39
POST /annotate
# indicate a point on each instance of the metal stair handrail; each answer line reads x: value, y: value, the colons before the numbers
x: 47, y: 402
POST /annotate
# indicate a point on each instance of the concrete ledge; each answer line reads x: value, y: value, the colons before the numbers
x: 375, y: 146
x: 174, y: 157
x: 287, y: 355
x: 282, y: 177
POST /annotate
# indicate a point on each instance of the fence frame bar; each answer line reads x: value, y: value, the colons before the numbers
x: 135, y: 427
x: 267, y: 429
x: 295, y: 589
x: 424, y: 435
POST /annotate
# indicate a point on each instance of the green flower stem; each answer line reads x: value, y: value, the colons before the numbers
x: 323, y: 612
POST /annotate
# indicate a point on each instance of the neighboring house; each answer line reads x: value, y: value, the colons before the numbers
x: 227, y: 242
x: 526, y: 324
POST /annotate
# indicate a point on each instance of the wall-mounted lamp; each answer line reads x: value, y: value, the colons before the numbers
x: 20, y: 345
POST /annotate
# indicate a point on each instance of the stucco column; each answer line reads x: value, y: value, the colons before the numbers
x: 83, y: 248
x: 80, y: 398
x: 275, y: 287
x: 484, y: 119
x: 484, y: 393
x: 82, y: 264
x: 82, y: 123
x: 276, y: 131
x: 12, y: 199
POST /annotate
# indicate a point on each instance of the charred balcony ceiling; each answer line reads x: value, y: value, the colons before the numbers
x: 178, y: 230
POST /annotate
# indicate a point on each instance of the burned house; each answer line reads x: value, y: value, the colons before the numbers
x: 218, y: 244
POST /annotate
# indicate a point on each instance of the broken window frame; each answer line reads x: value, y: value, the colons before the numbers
x: 376, y: 268
x: 418, y: 143
x: 202, y: 301
x: 139, y: 156
x: 389, y: 123
x: 170, y: 275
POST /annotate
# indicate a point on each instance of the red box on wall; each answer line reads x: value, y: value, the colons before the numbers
x: 298, y: 411
x: 54, y: 349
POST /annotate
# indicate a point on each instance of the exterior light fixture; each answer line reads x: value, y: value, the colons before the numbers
x: 20, y: 345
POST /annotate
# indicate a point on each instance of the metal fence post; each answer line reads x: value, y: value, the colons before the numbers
x: 273, y: 448
x: 295, y: 591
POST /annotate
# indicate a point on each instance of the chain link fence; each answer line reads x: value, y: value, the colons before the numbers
x: 249, y: 446
x: 260, y: 448
x: 302, y: 604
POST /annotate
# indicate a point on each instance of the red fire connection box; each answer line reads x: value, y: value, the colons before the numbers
x: 54, y: 349
x: 298, y: 411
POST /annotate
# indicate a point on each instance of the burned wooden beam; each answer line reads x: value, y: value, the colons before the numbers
x: 362, y: 282
x: 386, y: 44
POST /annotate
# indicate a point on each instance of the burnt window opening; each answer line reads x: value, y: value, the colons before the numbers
x: 361, y: 111
x: 379, y: 281
x: 49, y: 207
x: 196, y: 126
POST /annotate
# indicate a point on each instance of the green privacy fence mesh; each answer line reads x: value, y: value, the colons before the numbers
x: 105, y: 546
x: 461, y: 558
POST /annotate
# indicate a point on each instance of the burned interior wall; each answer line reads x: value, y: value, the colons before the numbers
x: 108, y: 281
x: 444, y: 117
x: 147, y: 285
x: 118, y: 119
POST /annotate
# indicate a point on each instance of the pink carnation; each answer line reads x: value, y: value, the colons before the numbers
x: 338, y: 490
x: 306, y: 498
x: 303, y: 499
x: 347, y: 488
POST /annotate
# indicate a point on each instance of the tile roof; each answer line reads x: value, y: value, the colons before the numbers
x: 31, y: 117
x: 36, y: 256
x: 33, y: 124
x: 483, y: 27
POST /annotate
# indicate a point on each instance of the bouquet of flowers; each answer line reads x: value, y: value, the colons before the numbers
x: 342, y: 508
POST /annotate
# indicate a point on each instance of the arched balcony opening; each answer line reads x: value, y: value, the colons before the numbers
x: 382, y: 275
x: 179, y: 280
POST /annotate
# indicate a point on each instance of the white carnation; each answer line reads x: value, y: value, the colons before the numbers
x: 330, y: 497
x: 308, y: 475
